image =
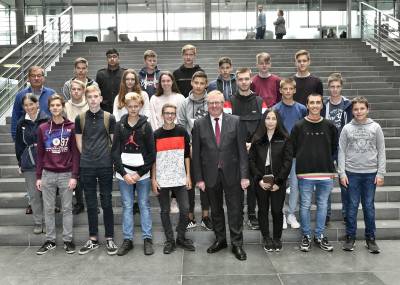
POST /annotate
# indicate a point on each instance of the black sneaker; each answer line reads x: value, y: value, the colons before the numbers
x: 125, y: 247
x: 78, y: 209
x: 323, y: 243
x: 148, y: 246
x: 57, y: 210
x: 277, y: 244
x: 186, y: 244
x: 268, y: 244
x: 89, y: 246
x: 206, y: 223
x: 191, y: 225
x: 348, y: 244
x: 69, y: 247
x: 252, y: 223
x: 112, y: 248
x: 47, y: 246
x: 169, y: 247
x: 305, y: 244
x: 372, y: 246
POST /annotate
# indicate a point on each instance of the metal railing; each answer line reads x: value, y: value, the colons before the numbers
x: 43, y: 48
x: 380, y: 30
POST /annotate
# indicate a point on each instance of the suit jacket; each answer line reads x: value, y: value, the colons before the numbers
x: 231, y: 152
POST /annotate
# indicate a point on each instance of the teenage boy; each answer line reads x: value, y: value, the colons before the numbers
x: 249, y: 107
x: 226, y: 81
x: 57, y: 169
x: 76, y: 105
x: 171, y: 173
x: 193, y: 108
x: 36, y: 79
x: 183, y: 75
x: 80, y: 73
x: 291, y: 112
x: 362, y: 166
x: 337, y: 109
x: 306, y: 83
x: 314, y: 140
x: 149, y: 74
x: 109, y: 80
x: 265, y: 84
x: 94, y: 133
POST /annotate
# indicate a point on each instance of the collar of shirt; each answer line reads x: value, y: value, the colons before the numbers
x: 219, y: 121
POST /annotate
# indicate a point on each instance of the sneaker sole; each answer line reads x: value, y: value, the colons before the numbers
x: 303, y: 249
x: 86, y: 252
x: 268, y: 250
x: 373, y: 251
x: 205, y: 227
x: 294, y: 227
x: 191, y: 227
x: 70, y: 251
x: 348, y: 249
x: 112, y: 252
x: 278, y: 249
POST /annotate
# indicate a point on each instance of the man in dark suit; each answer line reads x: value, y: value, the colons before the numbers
x: 220, y: 165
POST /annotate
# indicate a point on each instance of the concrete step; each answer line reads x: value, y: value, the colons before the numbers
x: 23, y: 235
x: 17, y: 216
x: 19, y: 199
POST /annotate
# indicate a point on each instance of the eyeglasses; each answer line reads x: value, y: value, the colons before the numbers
x: 218, y: 103
x: 169, y: 113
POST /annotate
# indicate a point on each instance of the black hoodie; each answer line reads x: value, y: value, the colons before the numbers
x: 137, y: 140
x: 183, y: 78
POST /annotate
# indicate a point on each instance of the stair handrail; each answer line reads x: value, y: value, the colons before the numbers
x: 43, y: 48
x: 376, y: 29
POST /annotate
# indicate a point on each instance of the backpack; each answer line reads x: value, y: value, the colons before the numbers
x: 106, y: 117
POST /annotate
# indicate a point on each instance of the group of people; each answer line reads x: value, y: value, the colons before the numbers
x: 279, y: 24
x: 177, y: 133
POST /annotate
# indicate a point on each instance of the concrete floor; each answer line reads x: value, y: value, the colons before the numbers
x: 21, y: 265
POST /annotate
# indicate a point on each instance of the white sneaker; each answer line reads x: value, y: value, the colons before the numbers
x: 288, y: 190
x: 174, y: 207
x: 284, y: 226
x: 291, y: 220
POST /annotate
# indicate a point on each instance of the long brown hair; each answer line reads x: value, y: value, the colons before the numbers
x: 174, y: 88
x: 123, y: 90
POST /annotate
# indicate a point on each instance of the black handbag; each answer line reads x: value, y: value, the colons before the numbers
x: 28, y: 157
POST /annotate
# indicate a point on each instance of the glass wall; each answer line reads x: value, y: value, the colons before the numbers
x: 157, y: 20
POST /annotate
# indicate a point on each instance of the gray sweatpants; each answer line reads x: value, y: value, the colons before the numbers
x: 50, y: 182
x: 35, y: 197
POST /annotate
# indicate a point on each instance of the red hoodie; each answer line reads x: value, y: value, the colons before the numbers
x: 56, y: 148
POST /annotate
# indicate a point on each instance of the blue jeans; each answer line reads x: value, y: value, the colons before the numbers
x: 127, y: 198
x: 322, y: 190
x: 361, y: 187
x: 343, y: 195
x: 294, y: 189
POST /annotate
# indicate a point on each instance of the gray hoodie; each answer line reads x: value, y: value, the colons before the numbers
x: 362, y: 149
x: 192, y: 109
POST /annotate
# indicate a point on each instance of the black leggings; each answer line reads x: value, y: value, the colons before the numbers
x: 276, y: 199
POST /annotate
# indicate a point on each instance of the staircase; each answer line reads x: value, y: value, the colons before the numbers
x: 365, y: 72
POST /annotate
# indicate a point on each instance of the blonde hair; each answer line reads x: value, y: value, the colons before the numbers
x: 189, y: 47
x: 92, y: 88
x: 287, y: 81
x: 263, y: 57
x: 336, y: 76
x: 302, y: 52
x: 78, y: 82
x: 133, y: 96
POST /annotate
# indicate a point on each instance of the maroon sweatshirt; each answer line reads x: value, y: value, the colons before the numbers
x: 56, y: 148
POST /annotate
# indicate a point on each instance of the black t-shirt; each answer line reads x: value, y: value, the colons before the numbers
x: 335, y: 114
x: 305, y: 86
x: 96, y: 145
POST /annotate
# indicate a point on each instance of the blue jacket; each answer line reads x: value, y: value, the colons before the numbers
x: 18, y: 110
x: 347, y: 116
x: 26, y: 135
x: 149, y: 86
x: 228, y: 87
